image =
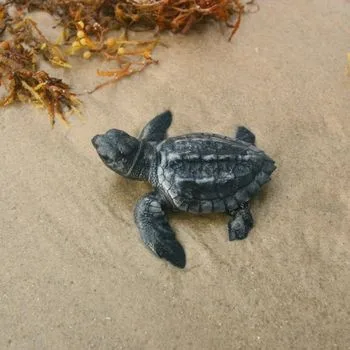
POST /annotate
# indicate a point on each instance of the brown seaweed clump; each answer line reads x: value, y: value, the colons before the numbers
x: 21, y: 77
x: 88, y: 29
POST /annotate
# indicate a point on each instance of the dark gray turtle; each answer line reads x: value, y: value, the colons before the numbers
x: 197, y: 173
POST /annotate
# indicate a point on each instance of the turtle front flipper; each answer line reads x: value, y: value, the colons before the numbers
x: 156, y: 129
x: 245, y: 134
x: 241, y: 223
x: 155, y: 231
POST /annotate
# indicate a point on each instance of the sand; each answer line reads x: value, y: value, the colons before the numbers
x: 74, y: 273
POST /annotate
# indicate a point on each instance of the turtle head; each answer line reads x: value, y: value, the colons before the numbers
x: 117, y: 150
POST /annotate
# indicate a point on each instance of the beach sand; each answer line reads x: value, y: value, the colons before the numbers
x: 74, y: 273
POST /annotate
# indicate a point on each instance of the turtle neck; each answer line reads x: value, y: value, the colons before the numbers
x: 141, y: 166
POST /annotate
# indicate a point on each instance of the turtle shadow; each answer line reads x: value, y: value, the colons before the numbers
x: 124, y: 193
x: 261, y: 196
x: 198, y: 225
x: 261, y: 202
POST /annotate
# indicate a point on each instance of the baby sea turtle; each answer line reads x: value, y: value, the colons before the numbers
x: 197, y: 173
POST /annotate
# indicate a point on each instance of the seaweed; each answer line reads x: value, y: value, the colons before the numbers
x: 26, y: 31
x: 88, y: 30
x: 3, y: 19
x: 178, y: 15
x: 25, y: 83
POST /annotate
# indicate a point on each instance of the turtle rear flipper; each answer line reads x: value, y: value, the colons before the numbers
x: 156, y: 129
x: 156, y: 232
x: 245, y: 134
x: 241, y: 223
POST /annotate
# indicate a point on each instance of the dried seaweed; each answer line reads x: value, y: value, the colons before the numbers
x: 26, y: 31
x: 178, y: 15
x: 25, y: 83
x: 88, y: 30
x: 3, y: 19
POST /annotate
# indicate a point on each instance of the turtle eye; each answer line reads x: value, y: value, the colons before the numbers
x: 104, y: 157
